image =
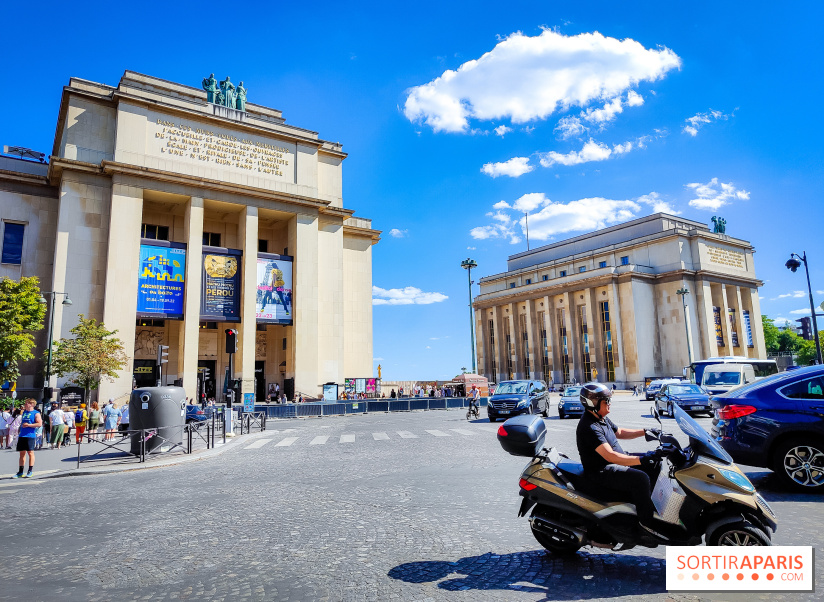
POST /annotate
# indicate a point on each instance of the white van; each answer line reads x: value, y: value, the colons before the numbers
x: 720, y: 378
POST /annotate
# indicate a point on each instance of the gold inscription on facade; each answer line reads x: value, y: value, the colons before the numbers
x: 204, y: 145
x: 727, y: 257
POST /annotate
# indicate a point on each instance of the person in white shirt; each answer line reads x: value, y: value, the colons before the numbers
x: 68, y: 417
x: 5, y: 421
x: 124, y: 418
x: 58, y: 424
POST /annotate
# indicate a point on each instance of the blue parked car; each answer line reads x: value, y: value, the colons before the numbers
x: 195, y: 413
x: 690, y: 398
x: 777, y: 423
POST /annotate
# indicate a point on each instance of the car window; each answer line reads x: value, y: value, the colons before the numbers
x: 684, y: 390
x: 511, y: 388
x: 572, y: 391
x: 722, y: 378
x: 809, y: 388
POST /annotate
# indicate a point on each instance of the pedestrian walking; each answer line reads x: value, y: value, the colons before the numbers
x: 94, y: 421
x: 57, y: 422
x: 81, y: 416
x: 68, y: 417
x: 111, y: 417
x: 30, y: 421
x: 14, y: 427
x: 5, y: 419
x: 124, y: 418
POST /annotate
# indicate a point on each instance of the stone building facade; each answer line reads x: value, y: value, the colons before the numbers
x: 604, y: 306
x: 152, y: 162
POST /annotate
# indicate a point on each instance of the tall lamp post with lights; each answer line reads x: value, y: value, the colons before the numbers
x: 468, y: 264
x: 793, y: 263
x: 47, y: 390
x: 683, y: 292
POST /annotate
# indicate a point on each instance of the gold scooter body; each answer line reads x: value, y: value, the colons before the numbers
x: 700, y: 496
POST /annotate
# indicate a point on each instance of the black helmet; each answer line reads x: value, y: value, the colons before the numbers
x: 592, y: 394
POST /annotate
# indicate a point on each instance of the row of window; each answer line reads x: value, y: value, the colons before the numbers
x: 203, y: 325
x: 210, y: 239
x: 581, y: 269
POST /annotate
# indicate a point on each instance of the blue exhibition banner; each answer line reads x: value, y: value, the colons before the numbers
x: 220, y: 284
x: 248, y: 402
x: 161, y: 280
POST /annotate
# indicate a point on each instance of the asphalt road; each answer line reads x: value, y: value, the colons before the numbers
x: 413, y: 506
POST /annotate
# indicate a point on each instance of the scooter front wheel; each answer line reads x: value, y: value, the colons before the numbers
x: 742, y: 533
x: 554, y: 547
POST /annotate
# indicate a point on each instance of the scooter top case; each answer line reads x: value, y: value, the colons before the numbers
x: 523, y: 435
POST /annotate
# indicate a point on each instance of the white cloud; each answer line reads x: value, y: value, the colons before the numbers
x: 800, y: 312
x: 713, y: 195
x: 569, y: 127
x: 793, y: 294
x: 501, y: 205
x: 471, y: 248
x: 591, y: 151
x: 527, y: 78
x: 409, y: 295
x: 697, y: 121
x: 514, y: 168
x: 530, y: 202
x: 634, y: 99
x: 394, y: 232
x: 819, y: 292
x: 377, y: 359
x: 502, y: 130
x: 654, y: 200
x: 581, y: 215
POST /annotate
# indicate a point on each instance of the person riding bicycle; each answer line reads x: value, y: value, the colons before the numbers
x: 606, y: 462
x: 474, y: 399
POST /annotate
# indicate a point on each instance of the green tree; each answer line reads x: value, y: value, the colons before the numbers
x: 92, y: 355
x: 806, y: 351
x: 771, y: 333
x: 20, y: 315
x: 789, y: 341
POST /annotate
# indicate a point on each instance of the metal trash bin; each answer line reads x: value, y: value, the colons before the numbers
x: 161, y: 408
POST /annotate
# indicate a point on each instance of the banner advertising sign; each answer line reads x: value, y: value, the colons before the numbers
x: 273, y: 304
x: 719, y: 335
x: 248, y: 402
x: 371, y: 389
x: 360, y: 385
x: 221, y: 284
x: 330, y: 392
x: 349, y: 385
x: 160, y: 282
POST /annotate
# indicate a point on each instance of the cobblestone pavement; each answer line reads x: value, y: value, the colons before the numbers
x: 414, y: 506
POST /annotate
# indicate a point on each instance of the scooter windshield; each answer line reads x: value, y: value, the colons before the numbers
x: 700, y: 440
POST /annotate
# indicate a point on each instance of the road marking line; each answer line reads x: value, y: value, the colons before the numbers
x: 463, y: 432
x: 380, y: 436
x: 347, y: 438
x: 407, y: 435
x: 286, y: 442
x: 258, y: 444
x: 438, y: 433
x: 320, y: 440
x: 488, y: 428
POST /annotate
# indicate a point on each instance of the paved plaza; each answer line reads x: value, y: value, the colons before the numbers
x: 411, y: 506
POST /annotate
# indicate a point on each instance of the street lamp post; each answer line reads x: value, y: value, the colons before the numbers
x: 47, y: 390
x: 683, y: 292
x: 468, y: 264
x: 793, y: 264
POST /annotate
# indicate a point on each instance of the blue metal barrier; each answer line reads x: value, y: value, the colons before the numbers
x: 356, y: 407
x: 419, y: 403
x: 333, y: 409
x: 454, y: 402
x: 437, y: 403
x: 377, y: 406
x: 309, y: 409
x: 401, y: 405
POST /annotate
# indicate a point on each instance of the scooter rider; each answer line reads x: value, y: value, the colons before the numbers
x: 606, y: 462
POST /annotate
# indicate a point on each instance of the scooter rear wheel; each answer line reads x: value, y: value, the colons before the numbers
x: 554, y: 547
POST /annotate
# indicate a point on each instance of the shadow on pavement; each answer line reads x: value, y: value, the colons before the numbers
x: 100, y: 456
x: 582, y: 576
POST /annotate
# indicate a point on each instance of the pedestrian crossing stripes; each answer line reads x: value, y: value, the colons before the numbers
x: 438, y: 433
x: 286, y: 442
x: 380, y: 436
x: 407, y: 435
x: 463, y: 432
x: 258, y: 444
x: 320, y: 440
x: 347, y: 438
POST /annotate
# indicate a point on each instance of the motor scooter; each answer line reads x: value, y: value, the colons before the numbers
x: 700, y: 495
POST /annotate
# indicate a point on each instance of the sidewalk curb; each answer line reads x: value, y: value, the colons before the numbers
x: 183, y: 459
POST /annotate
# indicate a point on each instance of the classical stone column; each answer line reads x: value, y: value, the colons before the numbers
x: 532, y: 337
x: 122, y: 268
x: 303, y: 348
x: 706, y: 320
x: 725, y: 320
x: 190, y: 325
x: 596, y: 338
x: 247, y: 329
x: 617, y: 335
x: 330, y: 305
x: 573, y: 344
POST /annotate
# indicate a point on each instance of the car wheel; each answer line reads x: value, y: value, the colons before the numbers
x: 741, y: 533
x: 561, y: 415
x: 799, y: 464
x: 491, y: 419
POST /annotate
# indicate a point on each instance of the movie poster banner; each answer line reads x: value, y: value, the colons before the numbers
x: 274, y: 291
x: 220, y: 285
x: 161, y: 280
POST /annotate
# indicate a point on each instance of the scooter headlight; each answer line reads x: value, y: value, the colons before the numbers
x: 737, y: 479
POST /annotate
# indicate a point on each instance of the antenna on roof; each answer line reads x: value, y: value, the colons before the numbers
x: 25, y: 153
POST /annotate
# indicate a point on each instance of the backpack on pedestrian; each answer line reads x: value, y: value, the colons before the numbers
x: 78, y: 416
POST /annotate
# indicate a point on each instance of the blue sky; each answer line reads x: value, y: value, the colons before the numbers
x: 584, y: 113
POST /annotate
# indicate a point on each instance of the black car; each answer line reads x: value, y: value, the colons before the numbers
x: 514, y: 397
x: 690, y: 398
x: 777, y: 423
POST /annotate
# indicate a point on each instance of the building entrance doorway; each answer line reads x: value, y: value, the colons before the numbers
x: 260, y: 380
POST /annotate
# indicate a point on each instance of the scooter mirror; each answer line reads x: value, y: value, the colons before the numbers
x: 654, y: 411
